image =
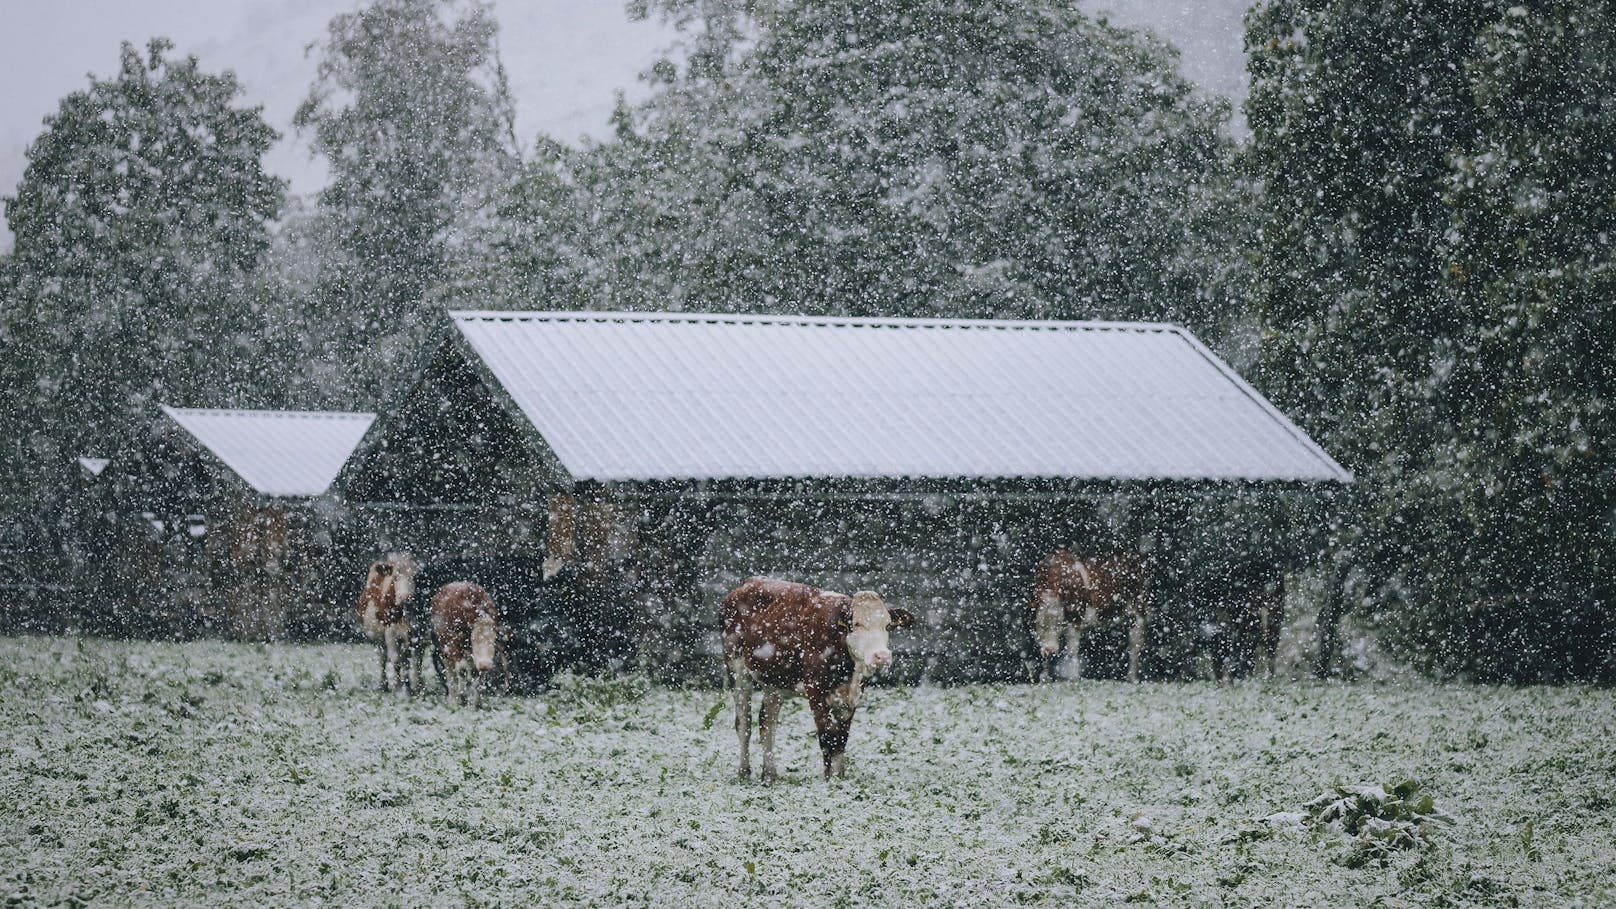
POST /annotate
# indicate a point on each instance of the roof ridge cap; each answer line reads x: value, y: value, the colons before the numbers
x: 809, y: 321
x: 265, y: 412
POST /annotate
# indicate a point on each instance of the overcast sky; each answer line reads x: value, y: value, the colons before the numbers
x: 566, y: 58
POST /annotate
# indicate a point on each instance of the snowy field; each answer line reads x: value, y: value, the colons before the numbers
x: 220, y: 774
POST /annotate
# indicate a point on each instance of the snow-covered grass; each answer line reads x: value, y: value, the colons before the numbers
x: 221, y: 774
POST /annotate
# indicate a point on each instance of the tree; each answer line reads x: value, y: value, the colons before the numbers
x: 1353, y: 109
x: 1432, y: 277
x: 411, y: 111
x: 143, y: 207
x: 904, y: 157
x: 143, y: 210
x: 1529, y: 260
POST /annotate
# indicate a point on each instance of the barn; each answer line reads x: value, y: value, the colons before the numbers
x: 617, y: 472
x: 219, y: 523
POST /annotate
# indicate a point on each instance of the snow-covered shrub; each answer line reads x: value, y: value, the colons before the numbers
x: 1380, y: 822
x: 596, y: 694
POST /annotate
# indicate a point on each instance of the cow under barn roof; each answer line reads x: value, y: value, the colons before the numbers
x: 276, y: 453
x: 633, y: 397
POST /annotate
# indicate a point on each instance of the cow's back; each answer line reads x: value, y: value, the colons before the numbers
x: 1120, y: 579
x: 1063, y: 575
x: 458, y: 605
x: 786, y: 633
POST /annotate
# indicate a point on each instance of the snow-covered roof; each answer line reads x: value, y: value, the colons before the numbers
x: 637, y: 396
x: 277, y: 452
x: 94, y: 466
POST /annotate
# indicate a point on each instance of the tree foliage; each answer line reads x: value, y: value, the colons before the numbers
x: 411, y: 111
x: 143, y: 209
x: 904, y: 157
x: 1435, y: 286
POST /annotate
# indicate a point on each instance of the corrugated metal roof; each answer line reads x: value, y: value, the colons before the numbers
x: 277, y: 452
x: 637, y: 396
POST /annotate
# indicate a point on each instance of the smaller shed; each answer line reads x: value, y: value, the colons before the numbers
x: 228, y: 528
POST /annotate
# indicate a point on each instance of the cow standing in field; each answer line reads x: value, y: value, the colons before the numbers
x: 384, y: 615
x: 1072, y: 593
x: 792, y: 638
x: 467, y: 627
x: 1245, y: 605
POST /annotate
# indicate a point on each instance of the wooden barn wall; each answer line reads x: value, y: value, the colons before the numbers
x: 226, y: 567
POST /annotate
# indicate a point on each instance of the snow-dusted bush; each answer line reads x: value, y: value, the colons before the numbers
x: 1379, y: 822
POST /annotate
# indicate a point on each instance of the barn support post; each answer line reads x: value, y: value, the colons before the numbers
x: 1330, y: 613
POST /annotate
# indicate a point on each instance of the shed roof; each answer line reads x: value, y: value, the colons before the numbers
x: 642, y: 397
x: 277, y: 452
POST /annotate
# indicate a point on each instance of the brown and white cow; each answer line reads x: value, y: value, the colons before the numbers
x: 1245, y: 606
x: 1072, y: 593
x: 466, y: 623
x: 790, y: 638
x: 383, y: 610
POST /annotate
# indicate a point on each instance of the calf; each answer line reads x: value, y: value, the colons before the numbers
x: 1245, y: 607
x: 1073, y: 593
x: 791, y: 638
x: 467, y: 627
x: 384, y: 615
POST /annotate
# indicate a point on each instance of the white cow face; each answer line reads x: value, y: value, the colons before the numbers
x: 404, y: 571
x: 483, y: 634
x: 868, y: 622
x: 1048, y: 621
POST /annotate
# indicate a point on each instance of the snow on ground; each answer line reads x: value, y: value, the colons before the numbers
x: 226, y: 774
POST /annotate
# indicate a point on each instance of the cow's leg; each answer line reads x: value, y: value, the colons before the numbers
x: 1074, y: 645
x: 741, y: 698
x: 833, y: 717
x: 381, y: 654
x: 1049, y: 617
x: 768, y: 722
x: 1136, y: 644
x: 392, y: 673
x: 417, y: 650
x: 451, y: 678
x: 1072, y: 656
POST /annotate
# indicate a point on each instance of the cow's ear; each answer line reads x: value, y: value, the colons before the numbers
x: 844, y: 618
x: 901, y: 618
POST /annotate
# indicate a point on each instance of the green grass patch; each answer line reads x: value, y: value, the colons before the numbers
x: 218, y: 775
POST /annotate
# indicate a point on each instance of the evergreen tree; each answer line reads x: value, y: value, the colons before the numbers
x: 1354, y: 109
x: 902, y: 157
x: 411, y: 111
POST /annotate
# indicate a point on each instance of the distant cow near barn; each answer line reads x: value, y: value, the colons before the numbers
x: 383, y: 611
x: 785, y: 637
x: 466, y: 623
x: 1072, y: 593
x: 1245, y: 606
